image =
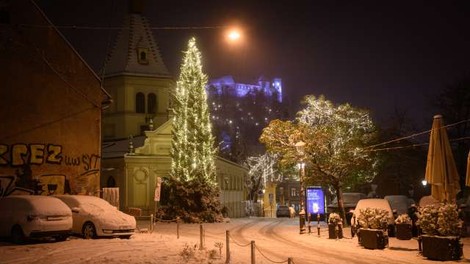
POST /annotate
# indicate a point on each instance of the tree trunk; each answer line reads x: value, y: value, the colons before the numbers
x: 339, y: 197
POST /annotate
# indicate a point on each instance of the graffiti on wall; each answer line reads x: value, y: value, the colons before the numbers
x: 24, y: 157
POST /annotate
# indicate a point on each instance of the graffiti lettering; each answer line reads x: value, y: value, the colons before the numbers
x: 71, y: 161
x: 37, y: 154
x: 19, y: 153
x: 90, y: 161
x: 34, y: 154
x: 54, y: 154
x: 3, y: 151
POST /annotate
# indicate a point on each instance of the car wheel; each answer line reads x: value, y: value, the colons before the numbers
x: 17, y: 235
x: 61, y: 238
x: 89, y: 231
x: 125, y: 237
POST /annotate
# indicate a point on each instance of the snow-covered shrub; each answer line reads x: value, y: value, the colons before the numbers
x: 403, y: 219
x: 439, y: 219
x: 374, y: 218
x: 334, y: 219
x: 193, y: 201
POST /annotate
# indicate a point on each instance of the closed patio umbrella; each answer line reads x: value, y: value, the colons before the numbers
x: 441, y: 171
x: 467, y: 178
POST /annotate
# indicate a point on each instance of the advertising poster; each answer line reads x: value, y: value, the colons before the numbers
x: 315, y: 202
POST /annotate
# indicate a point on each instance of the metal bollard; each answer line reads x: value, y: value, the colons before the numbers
x: 151, y: 223
x: 253, y: 259
x: 318, y: 225
x: 227, y: 247
x: 201, y: 237
x: 177, y: 227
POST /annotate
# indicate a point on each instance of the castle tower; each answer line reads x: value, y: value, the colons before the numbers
x: 137, y: 79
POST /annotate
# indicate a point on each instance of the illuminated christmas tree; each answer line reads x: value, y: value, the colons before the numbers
x: 193, y: 192
x: 193, y: 149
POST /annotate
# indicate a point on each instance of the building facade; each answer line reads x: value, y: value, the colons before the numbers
x: 50, y: 108
x: 137, y: 173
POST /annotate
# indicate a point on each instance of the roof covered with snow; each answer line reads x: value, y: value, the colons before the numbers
x: 134, y: 37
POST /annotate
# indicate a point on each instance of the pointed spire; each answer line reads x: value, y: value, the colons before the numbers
x: 135, y: 50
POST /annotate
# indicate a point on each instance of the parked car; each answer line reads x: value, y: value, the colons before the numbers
x: 285, y: 211
x: 94, y: 217
x: 373, y: 203
x: 400, y: 203
x: 349, y: 202
x: 34, y: 216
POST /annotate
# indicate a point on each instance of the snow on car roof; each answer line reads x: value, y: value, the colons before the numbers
x: 40, y: 204
x: 96, y: 206
x: 374, y: 203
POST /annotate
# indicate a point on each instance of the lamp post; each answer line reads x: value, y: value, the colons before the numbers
x: 300, y: 151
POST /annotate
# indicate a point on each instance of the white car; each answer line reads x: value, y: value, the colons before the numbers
x: 94, y: 217
x: 34, y: 216
x: 373, y: 203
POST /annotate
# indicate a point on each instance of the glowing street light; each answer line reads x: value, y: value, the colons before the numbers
x: 301, y: 152
x: 234, y: 35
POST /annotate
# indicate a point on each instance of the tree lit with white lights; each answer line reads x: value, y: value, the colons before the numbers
x: 335, y: 137
x: 192, y: 190
x: 192, y: 149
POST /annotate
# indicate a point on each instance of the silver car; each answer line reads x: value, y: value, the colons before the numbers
x: 94, y: 217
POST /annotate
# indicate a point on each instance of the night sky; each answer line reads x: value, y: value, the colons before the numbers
x: 380, y: 55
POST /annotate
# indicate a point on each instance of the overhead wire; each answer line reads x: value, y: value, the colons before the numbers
x: 370, y: 148
x: 119, y: 27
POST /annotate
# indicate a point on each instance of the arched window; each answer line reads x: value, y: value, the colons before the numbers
x: 143, y: 56
x: 140, y: 103
x: 111, y: 182
x: 151, y: 103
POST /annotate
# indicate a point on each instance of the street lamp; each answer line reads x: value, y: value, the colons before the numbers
x: 301, y: 152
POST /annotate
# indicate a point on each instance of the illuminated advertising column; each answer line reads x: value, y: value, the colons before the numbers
x: 315, y: 203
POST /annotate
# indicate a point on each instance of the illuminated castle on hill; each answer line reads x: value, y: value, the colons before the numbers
x: 239, y: 112
x: 226, y: 84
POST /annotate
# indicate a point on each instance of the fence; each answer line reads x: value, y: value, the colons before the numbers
x: 251, y: 244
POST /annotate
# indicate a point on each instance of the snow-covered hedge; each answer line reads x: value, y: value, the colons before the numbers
x: 439, y: 219
x: 374, y: 218
x: 403, y: 219
x: 334, y: 219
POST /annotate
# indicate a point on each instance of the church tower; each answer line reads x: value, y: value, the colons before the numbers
x: 136, y: 78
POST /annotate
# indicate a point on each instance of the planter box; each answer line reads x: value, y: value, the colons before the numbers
x: 441, y: 247
x: 332, y: 231
x: 404, y: 231
x: 372, y: 238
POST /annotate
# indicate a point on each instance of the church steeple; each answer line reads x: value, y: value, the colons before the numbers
x: 137, y: 79
x: 135, y: 50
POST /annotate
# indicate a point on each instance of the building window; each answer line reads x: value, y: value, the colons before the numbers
x: 293, y: 192
x: 142, y: 55
x: 140, y: 103
x: 111, y: 182
x: 151, y: 103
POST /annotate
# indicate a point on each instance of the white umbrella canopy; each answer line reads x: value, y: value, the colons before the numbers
x: 441, y: 171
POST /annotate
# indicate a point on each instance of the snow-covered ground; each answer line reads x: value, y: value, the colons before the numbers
x: 275, y: 241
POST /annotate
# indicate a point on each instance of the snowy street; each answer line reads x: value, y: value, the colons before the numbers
x: 275, y: 241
